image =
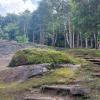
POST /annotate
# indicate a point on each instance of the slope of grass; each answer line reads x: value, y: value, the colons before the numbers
x: 35, y: 56
x: 86, y: 72
x: 39, y: 56
x: 58, y: 76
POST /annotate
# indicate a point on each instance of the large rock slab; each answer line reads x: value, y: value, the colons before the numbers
x: 8, y: 47
x: 22, y: 73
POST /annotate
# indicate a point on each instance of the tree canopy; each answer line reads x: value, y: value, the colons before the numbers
x: 62, y: 23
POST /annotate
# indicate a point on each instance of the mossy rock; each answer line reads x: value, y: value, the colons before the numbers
x: 39, y: 56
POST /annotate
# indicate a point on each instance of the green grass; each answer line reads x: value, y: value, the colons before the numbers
x: 85, y: 72
x: 39, y: 56
x: 58, y: 76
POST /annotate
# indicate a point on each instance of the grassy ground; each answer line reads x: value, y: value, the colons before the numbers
x: 34, y: 56
x: 86, y: 72
x: 58, y: 76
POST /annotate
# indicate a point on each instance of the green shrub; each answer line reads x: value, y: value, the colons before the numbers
x: 39, y: 56
x: 22, y: 39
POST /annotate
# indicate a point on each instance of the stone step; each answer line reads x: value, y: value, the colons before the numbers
x: 66, y: 89
x: 97, y: 63
x: 79, y: 55
x: 87, y: 58
x: 94, y: 60
x: 37, y: 98
x: 96, y: 74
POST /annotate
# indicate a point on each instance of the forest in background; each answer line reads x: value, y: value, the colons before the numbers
x: 61, y: 23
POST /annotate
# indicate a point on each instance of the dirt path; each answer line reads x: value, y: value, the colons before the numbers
x: 4, y: 61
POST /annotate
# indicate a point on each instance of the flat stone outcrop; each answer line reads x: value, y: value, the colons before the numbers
x: 9, y: 47
x: 24, y: 72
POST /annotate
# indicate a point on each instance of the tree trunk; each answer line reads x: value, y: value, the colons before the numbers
x: 96, y: 46
x: 77, y: 40
x: 91, y: 43
x: 33, y: 37
x: 86, y: 43
x: 41, y: 37
x: 81, y: 40
x: 73, y: 39
x: 95, y: 39
x: 53, y: 39
x: 70, y: 34
x: 66, y: 35
x: 53, y: 35
x: 65, y: 40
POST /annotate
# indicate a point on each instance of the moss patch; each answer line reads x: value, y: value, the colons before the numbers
x: 39, y: 56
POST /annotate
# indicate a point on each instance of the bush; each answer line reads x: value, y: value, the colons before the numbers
x: 22, y: 39
x: 39, y: 56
